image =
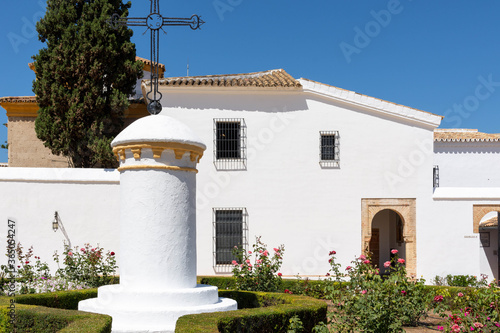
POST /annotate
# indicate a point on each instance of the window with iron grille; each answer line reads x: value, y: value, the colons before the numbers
x: 230, y: 228
x: 329, y: 148
x: 435, y: 176
x: 229, y: 143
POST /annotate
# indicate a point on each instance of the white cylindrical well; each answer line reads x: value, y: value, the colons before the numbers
x: 158, y: 229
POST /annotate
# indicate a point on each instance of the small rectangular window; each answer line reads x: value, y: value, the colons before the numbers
x: 329, y: 148
x: 230, y: 144
x: 229, y: 231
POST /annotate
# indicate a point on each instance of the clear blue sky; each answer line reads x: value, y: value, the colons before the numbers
x: 438, y: 56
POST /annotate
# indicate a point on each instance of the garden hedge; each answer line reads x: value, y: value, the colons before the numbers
x: 258, y: 312
x: 53, y: 312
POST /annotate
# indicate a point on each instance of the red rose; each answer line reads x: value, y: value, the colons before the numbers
x: 112, y: 253
x: 279, y: 274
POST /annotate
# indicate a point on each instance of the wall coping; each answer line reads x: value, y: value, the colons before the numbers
x: 60, y: 175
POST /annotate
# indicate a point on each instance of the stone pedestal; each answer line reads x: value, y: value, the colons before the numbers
x: 158, y: 157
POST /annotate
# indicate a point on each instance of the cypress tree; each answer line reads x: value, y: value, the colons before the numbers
x: 84, y: 77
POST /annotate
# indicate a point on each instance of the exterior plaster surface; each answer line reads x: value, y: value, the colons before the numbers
x: 157, y: 233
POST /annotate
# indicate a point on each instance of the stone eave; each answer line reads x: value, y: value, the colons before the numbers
x: 26, y: 106
x: 371, y: 104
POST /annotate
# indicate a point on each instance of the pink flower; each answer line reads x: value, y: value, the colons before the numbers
x: 362, y: 257
x: 247, y: 261
x: 265, y: 253
x: 279, y: 274
x: 249, y: 268
x: 70, y: 253
x: 438, y: 298
x: 249, y: 252
x: 249, y: 265
x: 234, y: 262
x: 276, y: 250
x: 363, y: 292
x: 82, y: 249
x: 92, y: 250
x: 403, y: 292
x: 460, y: 295
x: 332, y: 252
x: 366, y: 261
x: 441, y: 328
x: 387, y: 264
x: 287, y: 291
x: 478, y: 325
x: 348, y: 268
x: 394, y: 251
x: 401, y: 261
x: 258, y: 261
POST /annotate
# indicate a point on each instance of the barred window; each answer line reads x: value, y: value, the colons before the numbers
x: 329, y: 148
x: 230, y: 226
x: 435, y: 176
x: 230, y: 144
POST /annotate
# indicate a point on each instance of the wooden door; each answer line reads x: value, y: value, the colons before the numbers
x: 375, y: 246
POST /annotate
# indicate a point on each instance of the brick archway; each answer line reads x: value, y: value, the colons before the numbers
x: 406, y: 208
x: 478, y: 213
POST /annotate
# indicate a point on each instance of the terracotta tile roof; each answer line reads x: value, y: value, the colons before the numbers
x: 276, y: 78
x: 32, y: 99
x: 489, y: 223
x: 18, y: 99
x: 146, y: 62
x: 464, y: 135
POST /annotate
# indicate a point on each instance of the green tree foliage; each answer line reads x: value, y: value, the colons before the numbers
x: 84, y: 76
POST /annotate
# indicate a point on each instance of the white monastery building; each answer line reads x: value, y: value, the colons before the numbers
x: 300, y: 163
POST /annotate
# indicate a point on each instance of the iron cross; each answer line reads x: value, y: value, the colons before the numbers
x: 155, y: 22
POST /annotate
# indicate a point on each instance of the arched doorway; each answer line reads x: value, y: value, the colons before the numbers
x: 387, y: 235
x: 406, y: 210
x: 489, y: 264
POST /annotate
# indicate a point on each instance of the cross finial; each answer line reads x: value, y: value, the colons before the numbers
x: 154, y: 22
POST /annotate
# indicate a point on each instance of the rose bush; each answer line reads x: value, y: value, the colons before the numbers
x: 91, y: 266
x: 263, y: 274
x: 371, y: 303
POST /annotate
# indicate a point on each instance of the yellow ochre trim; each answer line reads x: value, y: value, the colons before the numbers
x: 157, y: 167
x: 196, y: 153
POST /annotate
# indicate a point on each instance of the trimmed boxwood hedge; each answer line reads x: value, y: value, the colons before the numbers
x: 260, y: 312
x: 53, y: 312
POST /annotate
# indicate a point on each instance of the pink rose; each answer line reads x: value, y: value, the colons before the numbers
x: 401, y: 261
x: 363, y: 292
x: 70, y: 253
x: 362, y: 257
x: 394, y: 251
x: 460, y: 295
x: 366, y: 261
x: 249, y: 252
x: 403, y: 292
x: 387, y: 264
x: 276, y: 250
x: 234, y: 262
x: 82, y: 249
x: 438, y: 298
x: 247, y: 261
x: 348, y: 268
x: 265, y: 253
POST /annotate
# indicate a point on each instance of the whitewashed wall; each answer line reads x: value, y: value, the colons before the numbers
x: 290, y: 199
x: 86, y: 199
x: 468, y: 164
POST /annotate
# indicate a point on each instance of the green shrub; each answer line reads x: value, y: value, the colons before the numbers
x: 61, y: 299
x: 53, y: 315
x: 259, y: 312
